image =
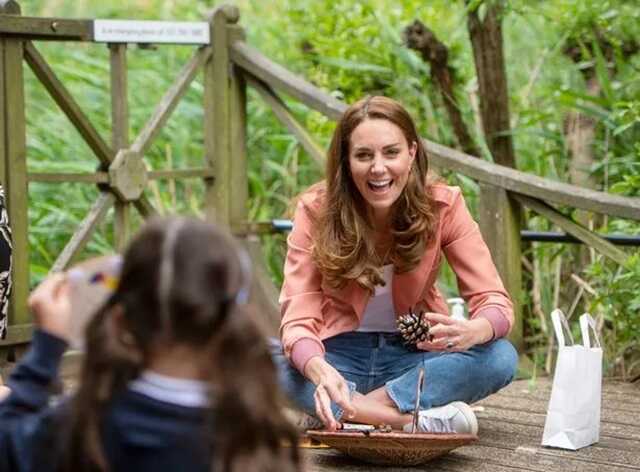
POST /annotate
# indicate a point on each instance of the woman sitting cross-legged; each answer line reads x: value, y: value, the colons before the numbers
x: 366, y: 247
x: 175, y: 377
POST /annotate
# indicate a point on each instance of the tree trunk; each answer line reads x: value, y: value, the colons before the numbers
x: 420, y: 38
x: 487, y: 44
x: 499, y: 213
x: 580, y: 134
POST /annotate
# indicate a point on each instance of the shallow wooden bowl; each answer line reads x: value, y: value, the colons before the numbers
x: 393, y: 448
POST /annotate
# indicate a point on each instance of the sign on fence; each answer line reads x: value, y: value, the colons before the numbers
x: 172, y: 32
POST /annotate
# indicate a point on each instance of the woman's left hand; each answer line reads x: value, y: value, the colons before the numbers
x: 449, y: 334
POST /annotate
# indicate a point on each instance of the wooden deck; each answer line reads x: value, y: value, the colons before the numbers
x: 511, y: 424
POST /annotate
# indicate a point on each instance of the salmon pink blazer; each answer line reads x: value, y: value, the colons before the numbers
x: 312, y: 311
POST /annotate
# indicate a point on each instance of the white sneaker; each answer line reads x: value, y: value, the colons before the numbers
x: 456, y: 417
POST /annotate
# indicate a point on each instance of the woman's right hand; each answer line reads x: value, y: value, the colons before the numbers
x: 51, y: 307
x: 330, y: 386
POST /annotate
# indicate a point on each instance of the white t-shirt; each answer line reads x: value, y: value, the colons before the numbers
x: 379, y: 316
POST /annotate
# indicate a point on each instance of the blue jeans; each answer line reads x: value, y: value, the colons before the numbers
x: 369, y: 361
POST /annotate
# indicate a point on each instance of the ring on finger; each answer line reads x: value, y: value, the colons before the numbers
x: 450, y: 344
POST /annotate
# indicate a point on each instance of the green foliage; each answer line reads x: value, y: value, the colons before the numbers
x: 618, y: 299
x: 353, y: 48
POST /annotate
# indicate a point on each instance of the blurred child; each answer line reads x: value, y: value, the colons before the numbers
x: 175, y: 375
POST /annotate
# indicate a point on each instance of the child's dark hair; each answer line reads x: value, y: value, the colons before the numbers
x: 180, y: 282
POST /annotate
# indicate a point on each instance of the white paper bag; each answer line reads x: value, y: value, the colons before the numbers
x: 573, y: 415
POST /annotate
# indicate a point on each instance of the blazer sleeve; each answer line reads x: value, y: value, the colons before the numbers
x: 301, y: 297
x: 478, y: 280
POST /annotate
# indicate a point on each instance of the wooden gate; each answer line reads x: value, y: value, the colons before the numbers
x: 121, y: 175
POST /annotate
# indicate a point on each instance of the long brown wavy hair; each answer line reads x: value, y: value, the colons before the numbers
x: 180, y: 282
x: 344, y: 247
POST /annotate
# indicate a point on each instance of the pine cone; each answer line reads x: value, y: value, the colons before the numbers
x: 413, y: 328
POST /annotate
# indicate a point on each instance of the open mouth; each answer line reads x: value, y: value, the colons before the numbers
x: 379, y: 186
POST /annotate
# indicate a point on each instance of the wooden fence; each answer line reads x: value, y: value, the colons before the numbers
x: 230, y: 65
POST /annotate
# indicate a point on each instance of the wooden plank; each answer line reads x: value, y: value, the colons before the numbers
x: 282, y: 79
x: 120, y: 133
x: 532, y: 185
x: 532, y: 435
x: 217, y: 129
x: 583, y: 234
x: 96, y: 178
x: 613, y: 392
x: 170, y: 100
x: 121, y: 225
x: 531, y: 444
x: 119, y: 96
x: 456, y: 463
x: 611, y: 389
x: 263, y: 292
x: 16, y: 176
x: 144, y: 207
x: 607, y: 428
x: 202, y: 173
x: 499, y: 218
x: 527, y: 459
x: 67, y: 104
x: 626, y: 416
x: 84, y: 231
x: 17, y: 334
x: 7, y: 7
x: 285, y: 116
x: 613, y: 403
x: 210, y: 201
x: 58, y: 29
x: 238, y: 164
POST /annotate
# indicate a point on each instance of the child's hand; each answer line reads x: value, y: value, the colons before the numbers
x: 51, y: 307
x: 4, y: 391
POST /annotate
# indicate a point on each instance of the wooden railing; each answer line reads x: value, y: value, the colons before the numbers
x: 122, y: 175
x: 230, y: 65
x: 502, y: 190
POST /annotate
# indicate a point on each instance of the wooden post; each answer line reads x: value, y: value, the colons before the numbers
x: 487, y: 44
x: 263, y: 293
x: 499, y: 214
x: 500, y: 226
x: 239, y: 181
x: 217, y: 127
x: 120, y: 134
x: 13, y: 145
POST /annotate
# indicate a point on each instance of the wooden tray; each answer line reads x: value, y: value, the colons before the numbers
x: 393, y: 448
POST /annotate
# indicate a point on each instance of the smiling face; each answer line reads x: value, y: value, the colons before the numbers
x: 380, y: 160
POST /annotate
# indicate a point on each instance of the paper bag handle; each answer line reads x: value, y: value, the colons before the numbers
x: 560, y: 322
x: 586, y: 322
